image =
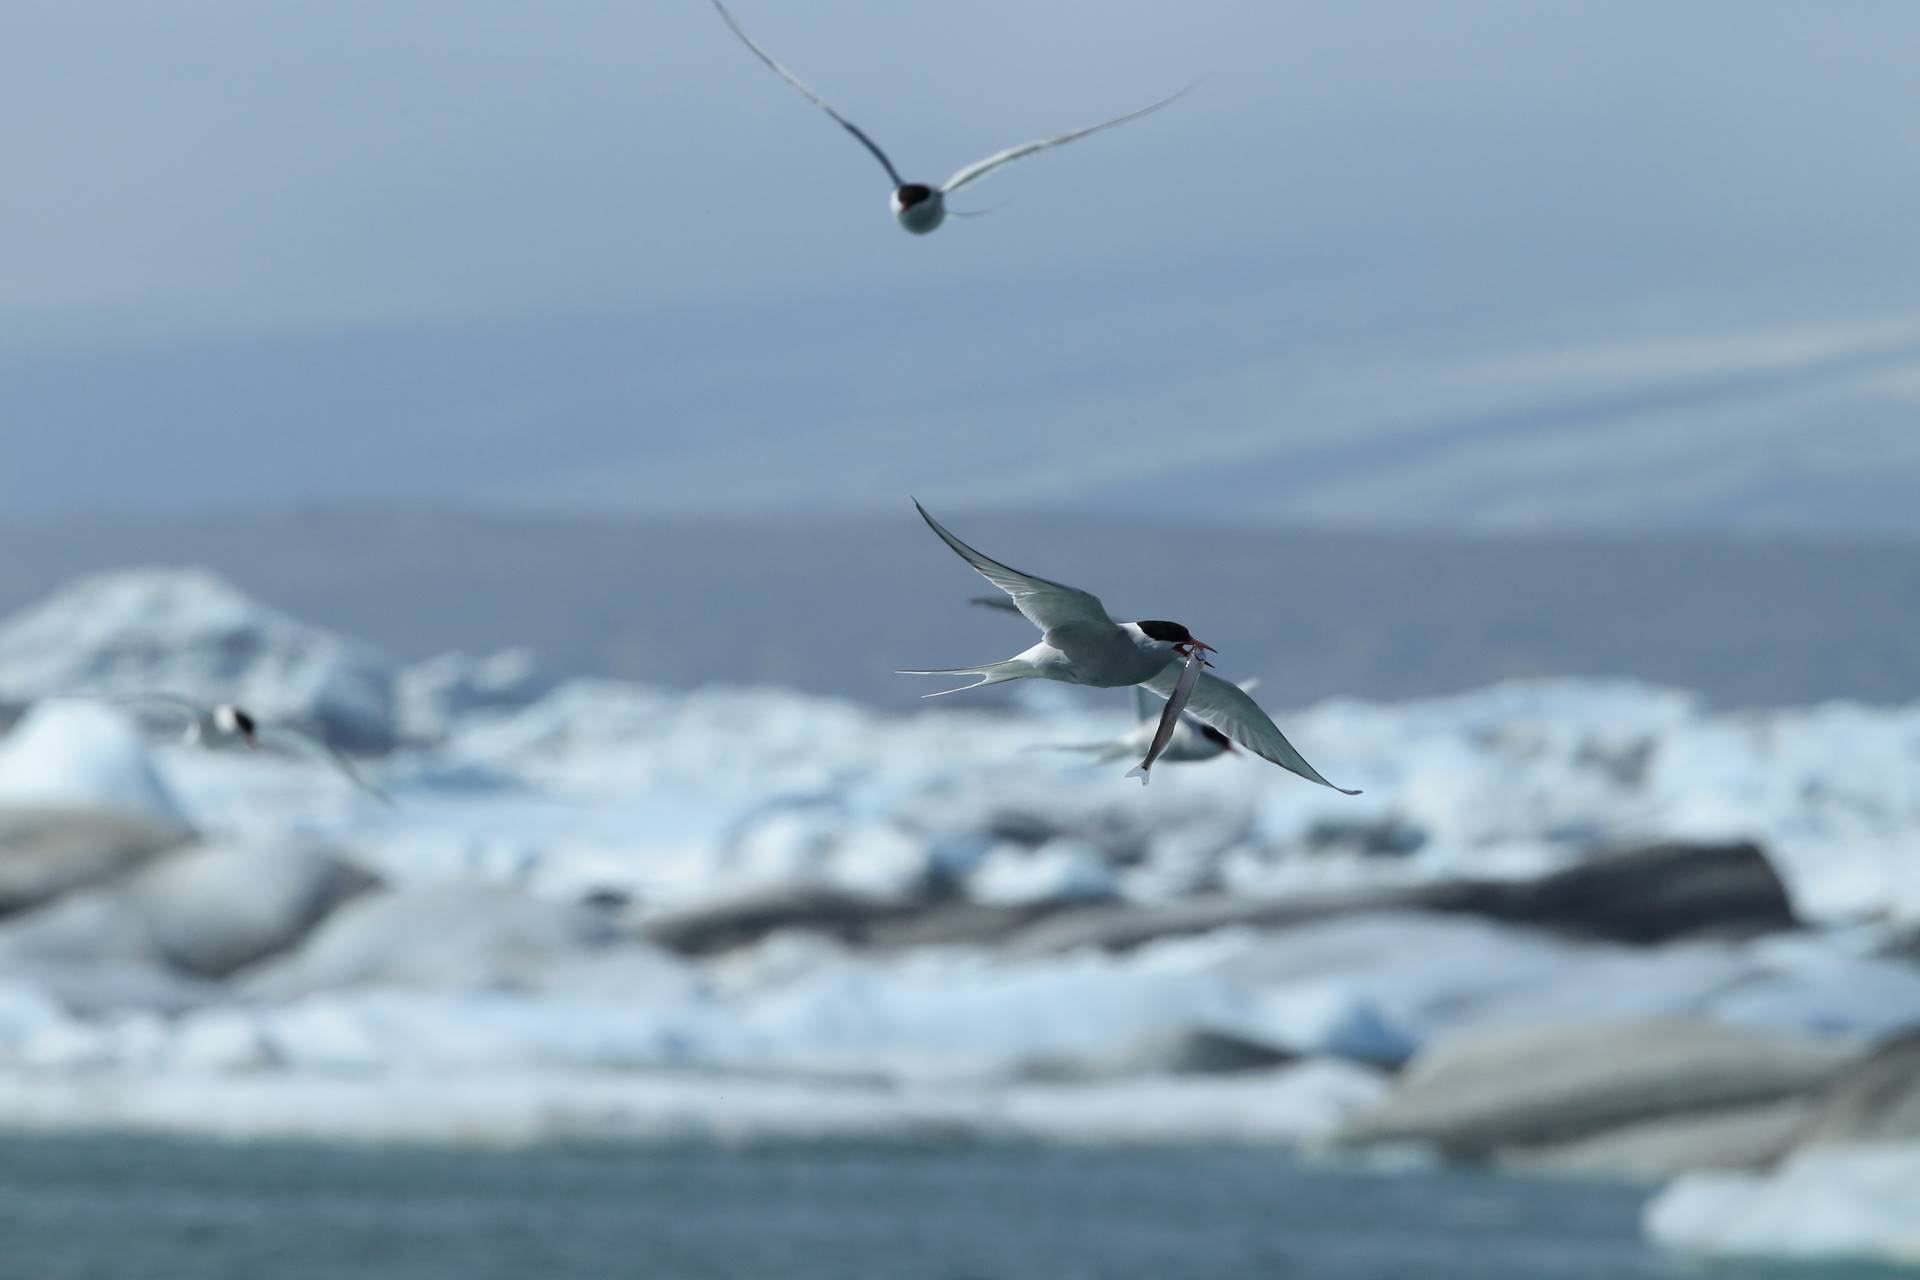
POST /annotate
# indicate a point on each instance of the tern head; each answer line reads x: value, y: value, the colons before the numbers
x: 918, y: 207
x: 1172, y: 634
x: 233, y: 722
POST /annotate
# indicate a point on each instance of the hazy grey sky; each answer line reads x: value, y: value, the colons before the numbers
x: 1491, y: 263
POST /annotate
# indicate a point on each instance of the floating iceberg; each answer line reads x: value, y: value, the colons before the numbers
x: 1830, y: 1204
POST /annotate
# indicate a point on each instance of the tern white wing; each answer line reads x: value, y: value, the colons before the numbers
x: 1233, y: 712
x: 813, y: 97
x: 294, y: 742
x: 1045, y: 604
x: 169, y: 703
x: 981, y: 168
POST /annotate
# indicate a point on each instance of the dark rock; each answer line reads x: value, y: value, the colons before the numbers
x: 956, y: 924
x: 1185, y: 1052
x: 1123, y: 926
x: 720, y: 926
x: 1660, y: 893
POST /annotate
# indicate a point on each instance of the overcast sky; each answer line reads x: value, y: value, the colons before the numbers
x: 1495, y: 264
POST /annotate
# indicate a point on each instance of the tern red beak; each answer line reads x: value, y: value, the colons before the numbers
x: 253, y: 743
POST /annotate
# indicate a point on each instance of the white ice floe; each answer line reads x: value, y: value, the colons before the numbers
x: 84, y: 755
x: 1290, y: 1104
x: 1064, y: 869
x: 540, y: 833
x: 431, y: 696
x: 1825, y: 1203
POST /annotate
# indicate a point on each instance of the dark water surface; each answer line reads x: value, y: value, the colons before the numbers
x: 111, y: 1207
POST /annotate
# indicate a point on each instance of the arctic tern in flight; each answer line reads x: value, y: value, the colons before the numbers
x: 918, y: 207
x: 226, y: 726
x: 1080, y: 644
x: 1192, y: 741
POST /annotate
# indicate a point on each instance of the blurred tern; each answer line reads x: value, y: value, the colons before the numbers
x: 918, y: 207
x: 1080, y: 644
x: 226, y: 726
x: 1193, y: 742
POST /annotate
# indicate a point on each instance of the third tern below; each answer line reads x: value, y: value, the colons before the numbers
x: 919, y: 207
x: 1080, y: 644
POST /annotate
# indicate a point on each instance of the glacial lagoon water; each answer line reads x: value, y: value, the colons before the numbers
x: 109, y: 1207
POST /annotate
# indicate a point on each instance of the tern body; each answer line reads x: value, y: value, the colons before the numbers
x: 1081, y: 644
x: 917, y: 206
x: 1193, y: 741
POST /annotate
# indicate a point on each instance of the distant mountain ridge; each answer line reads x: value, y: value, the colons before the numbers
x: 835, y: 605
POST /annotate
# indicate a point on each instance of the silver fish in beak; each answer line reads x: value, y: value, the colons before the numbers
x: 1170, y: 714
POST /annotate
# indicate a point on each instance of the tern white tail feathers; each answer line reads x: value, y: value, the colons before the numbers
x: 991, y: 673
x: 1139, y: 771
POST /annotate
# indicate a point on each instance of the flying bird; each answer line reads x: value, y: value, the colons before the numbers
x: 917, y: 206
x: 1192, y: 742
x: 1080, y: 644
x: 226, y: 726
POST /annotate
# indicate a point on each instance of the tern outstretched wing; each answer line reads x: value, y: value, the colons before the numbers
x: 815, y: 98
x: 169, y: 703
x: 981, y: 168
x: 294, y: 742
x: 1229, y: 709
x: 1046, y: 604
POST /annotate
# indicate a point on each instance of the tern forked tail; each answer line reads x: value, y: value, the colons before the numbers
x: 990, y: 673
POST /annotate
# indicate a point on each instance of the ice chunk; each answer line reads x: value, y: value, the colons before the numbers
x: 82, y: 754
x: 1826, y: 1203
x: 1061, y: 870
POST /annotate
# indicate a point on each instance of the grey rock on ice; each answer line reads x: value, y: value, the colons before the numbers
x: 1478, y: 1095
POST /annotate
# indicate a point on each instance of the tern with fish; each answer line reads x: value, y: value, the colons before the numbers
x: 1192, y: 741
x: 1081, y: 644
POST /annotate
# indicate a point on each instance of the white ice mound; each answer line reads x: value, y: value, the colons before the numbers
x: 432, y: 696
x: 1827, y: 1203
x: 1063, y: 869
x: 447, y: 936
x: 188, y: 632
x: 81, y: 754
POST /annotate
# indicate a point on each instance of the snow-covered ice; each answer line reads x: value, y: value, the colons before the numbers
x: 82, y: 754
x: 500, y: 979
